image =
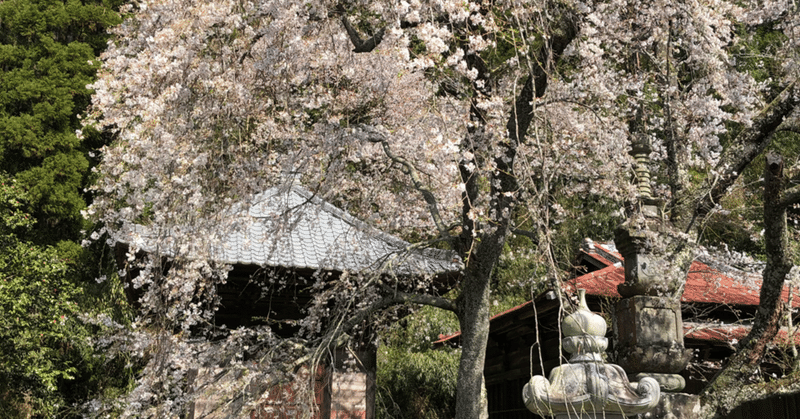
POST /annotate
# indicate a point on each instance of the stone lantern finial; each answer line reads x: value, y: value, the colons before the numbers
x: 587, y: 386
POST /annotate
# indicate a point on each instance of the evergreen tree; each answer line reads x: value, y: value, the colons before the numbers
x: 48, y: 54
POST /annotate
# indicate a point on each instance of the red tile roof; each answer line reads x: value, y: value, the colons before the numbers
x: 601, y: 283
x: 731, y: 333
x: 704, y: 284
x: 599, y: 258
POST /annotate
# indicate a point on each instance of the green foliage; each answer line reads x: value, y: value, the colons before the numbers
x: 39, y: 311
x: 755, y: 53
x: 416, y: 332
x: 47, y: 363
x: 414, y: 380
x: 583, y: 217
x: 48, y: 51
x: 509, y: 43
x: 418, y: 385
x: 517, y: 277
x: 740, y: 222
x: 48, y: 54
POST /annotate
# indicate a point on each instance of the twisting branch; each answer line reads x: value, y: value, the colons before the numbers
x: 529, y: 234
x: 791, y: 123
x: 791, y: 197
x: 413, y: 298
x: 376, y: 135
x: 790, y: 128
x: 747, y: 145
x: 426, y: 299
x: 360, y: 45
x: 337, y: 335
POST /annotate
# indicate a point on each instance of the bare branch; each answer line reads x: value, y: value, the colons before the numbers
x: 362, y: 45
x: 791, y: 123
x: 426, y: 300
x: 746, y: 147
x: 337, y: 335
x: 791, y: 197
x: 376, y: 135
x: 789, y: 128
x: 529, y: 234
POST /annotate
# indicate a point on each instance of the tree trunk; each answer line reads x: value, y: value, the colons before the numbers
x: 483, y: 249
x: 739, y: 381
x: 473, y: 315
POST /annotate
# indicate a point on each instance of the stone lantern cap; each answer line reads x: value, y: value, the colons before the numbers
x: 587, y: 387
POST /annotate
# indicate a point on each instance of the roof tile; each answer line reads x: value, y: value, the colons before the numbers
x: 292, y: 227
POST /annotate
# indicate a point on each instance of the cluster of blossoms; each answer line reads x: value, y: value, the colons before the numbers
x: 214, y: 101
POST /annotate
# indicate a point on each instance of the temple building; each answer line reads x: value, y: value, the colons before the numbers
x: 288, y: 235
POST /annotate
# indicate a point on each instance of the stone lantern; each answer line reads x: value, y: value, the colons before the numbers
x: 587, y: 387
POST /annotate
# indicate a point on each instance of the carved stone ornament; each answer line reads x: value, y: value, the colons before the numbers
x: 587, y: 387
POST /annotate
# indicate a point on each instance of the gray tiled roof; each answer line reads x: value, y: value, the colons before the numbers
x: 290, y: 227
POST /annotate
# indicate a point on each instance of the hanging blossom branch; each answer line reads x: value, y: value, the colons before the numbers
x: 563, y: 31
x: 377, y: 135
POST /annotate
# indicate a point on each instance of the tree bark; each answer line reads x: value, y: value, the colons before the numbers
x: 482, y: 249
x: 473, y: 316
x: 482, y: 241
x: 776, y: 240
x: 727, y: 389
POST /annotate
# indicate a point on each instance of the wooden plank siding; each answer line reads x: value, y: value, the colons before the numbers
x: 513, y: 356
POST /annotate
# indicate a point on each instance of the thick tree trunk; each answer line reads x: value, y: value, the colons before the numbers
x: 776, y: 241
x: 473, y: 314
x: 739, y: 381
